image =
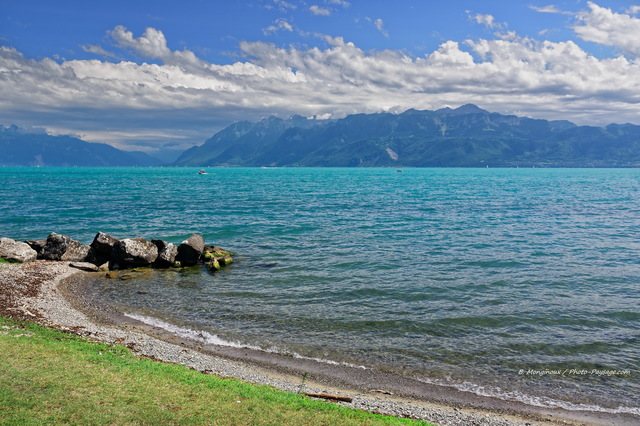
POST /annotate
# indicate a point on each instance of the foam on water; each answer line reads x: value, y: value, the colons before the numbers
x: 207, y: 338
x: 537, y: 401
x: 203, y: 337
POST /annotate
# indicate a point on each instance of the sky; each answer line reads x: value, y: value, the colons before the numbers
x: 167, y: 74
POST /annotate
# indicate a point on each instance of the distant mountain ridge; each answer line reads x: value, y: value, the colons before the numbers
x: 467, y: 136
x: 21, y: 148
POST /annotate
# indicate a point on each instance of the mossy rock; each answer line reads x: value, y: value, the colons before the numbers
x: 208, y: 255
x: 225, y: 261
x: 213, y: 265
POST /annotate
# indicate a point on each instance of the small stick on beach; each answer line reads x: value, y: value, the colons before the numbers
x: 331, y: 397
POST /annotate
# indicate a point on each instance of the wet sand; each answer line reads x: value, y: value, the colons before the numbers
x: 52, y: 294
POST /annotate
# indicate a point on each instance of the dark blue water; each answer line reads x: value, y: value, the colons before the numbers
x: 519, y: 283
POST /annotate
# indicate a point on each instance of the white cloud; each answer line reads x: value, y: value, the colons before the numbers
x: 317, y: 10
x: 185, y: 99
x: 278, y: 25
x: 342, y: 3
x: 98, y: 50
x: 284, y: 5
x: 603, y: 26
x: 548, y: 9
x: 379, y: 24
x: 153, y: 44
x: 486, y: 20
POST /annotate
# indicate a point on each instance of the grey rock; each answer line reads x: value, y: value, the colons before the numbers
x: 84, y: 266
x: 61, y: 247
x: 133, y: 253
x: 167, y: 253
x: 16, y: 251
x: 190, y: 250
x: 101, y: 247
x: 37, y: 245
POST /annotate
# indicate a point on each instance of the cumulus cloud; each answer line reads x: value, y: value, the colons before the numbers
x: 153, y: 44
x: 321, y: 11
x: 160, y: 101
x: 603, y: 26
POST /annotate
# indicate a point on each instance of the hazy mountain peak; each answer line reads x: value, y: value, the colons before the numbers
x: 469, y: 109
x: 20, y: 147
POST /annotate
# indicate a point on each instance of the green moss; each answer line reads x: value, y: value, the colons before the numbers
x: 213, y: 265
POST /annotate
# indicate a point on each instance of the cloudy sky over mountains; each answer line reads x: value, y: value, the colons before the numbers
x: 144, y: 75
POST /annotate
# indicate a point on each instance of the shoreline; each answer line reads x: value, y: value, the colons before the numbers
x: 44, y: 292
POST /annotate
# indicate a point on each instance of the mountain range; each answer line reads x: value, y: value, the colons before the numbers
x: 467, y: 136
x: 19, y: 147
x: 464, y: 137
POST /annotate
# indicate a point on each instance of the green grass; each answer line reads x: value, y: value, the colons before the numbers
x: 4, y: 260
x: 47, y: 376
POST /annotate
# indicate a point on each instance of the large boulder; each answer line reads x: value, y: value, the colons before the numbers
x: 167, y: 253
x: 190, y: 250
x: 37, y: 245
x: 101, y: 248
x: 133, y: 253
x: 61, y: 247
x: 16, y: 251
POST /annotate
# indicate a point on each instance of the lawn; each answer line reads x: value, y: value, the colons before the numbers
x: 47, y: 376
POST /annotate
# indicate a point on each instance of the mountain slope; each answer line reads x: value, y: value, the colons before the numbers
x: 31, y: 149
x: 464, y: 137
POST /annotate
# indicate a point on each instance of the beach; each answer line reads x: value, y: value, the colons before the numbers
x: 44, y: 292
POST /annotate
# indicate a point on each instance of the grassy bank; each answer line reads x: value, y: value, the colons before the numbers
x: 47, y: 376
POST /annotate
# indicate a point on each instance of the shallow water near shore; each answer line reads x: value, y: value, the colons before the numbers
x: 519, y: 284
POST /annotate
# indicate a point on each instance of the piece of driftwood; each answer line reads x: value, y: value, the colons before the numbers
x: 331, y: 397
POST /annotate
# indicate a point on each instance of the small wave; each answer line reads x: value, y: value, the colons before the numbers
x: 326, y: 361
x: 495, y: 263
x: 537, y: 401
x: 205, y: 337
x: 187, y: 333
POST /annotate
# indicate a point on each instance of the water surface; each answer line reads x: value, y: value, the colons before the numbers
x: 520, y: 283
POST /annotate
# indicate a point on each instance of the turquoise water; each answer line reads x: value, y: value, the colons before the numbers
x: 518, y: 283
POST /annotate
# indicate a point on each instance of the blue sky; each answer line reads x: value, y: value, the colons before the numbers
x: 167, y: 74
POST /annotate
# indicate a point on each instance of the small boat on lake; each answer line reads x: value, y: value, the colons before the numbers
x: 202, y: 172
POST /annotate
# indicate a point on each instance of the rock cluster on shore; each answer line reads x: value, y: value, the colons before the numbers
x: 109, y: 253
